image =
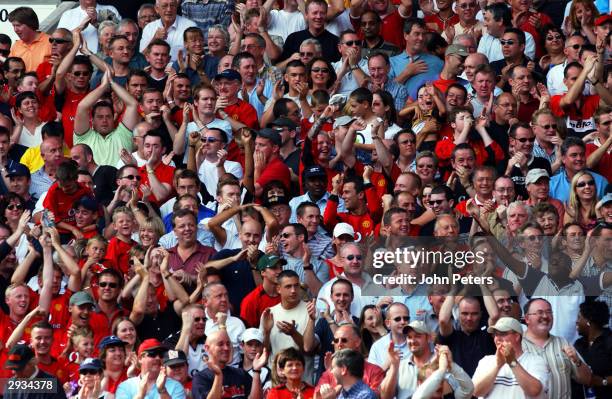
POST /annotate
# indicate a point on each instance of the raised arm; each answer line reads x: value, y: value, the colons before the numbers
x: 81, y: 119
x: 131, y: 117
x: 248, y: 180
x: 445, y: 316
x: 576, y: 90
x: 66, y: 63
x: 215, y: 223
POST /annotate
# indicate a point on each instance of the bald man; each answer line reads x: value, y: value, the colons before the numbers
x: 220, y: 380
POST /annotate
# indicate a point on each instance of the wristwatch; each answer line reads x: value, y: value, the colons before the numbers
x: 604, y: 381
x: 513, y: 364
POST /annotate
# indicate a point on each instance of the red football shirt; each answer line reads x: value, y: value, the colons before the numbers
x: 60, y: 203
x: 243, y: 112
x: 604, y: 166
x: 117, y: 255
x: 579, y: 120
x: 164, y: 174
x: 71, y: 102
x: 275, y: 170
x: 253, y: 305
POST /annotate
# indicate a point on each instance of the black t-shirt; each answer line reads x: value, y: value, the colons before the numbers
x: 517, y: 175
x: 105, y: 183
x: 499, y: 134
x: 599, y: 357
x: 237, y: 277
x: 160, y: 325
x: 236, y: 383
x: 468, y: 349
x: 329, y: 44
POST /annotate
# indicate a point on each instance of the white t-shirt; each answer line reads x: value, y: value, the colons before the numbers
x: 506, y: 386
x: 216, y: 123
x: 282, y: 23
x: 31, y: 139
x: 210, y: 177
x: 339, y: 24
x: 73, y: 18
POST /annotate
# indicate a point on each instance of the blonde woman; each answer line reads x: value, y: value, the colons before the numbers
x: 582, y: 201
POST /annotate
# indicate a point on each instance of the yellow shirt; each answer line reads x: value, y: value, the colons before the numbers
x: 33, y: 54
x: 32, y: 160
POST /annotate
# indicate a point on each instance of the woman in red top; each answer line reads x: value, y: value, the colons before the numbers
x: 292, y: 363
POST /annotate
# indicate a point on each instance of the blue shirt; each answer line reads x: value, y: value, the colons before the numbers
x: 560, y: 186
x: 129, y: 388
x: 203, y: 213
x: 321, y: 203
x: 434, y: 67
x: 358, y: 391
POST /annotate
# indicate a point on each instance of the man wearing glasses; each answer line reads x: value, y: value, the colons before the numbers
x: 150, y: 354
x: 554, y: 78
x: 352, y: 69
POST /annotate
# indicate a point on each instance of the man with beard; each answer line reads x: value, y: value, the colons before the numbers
x: 379, y: 66
x: 152, y: 376
x: 574, y: 160
x: 563, y: 361
x: 220, y: 379
x: 103, y: 138
x: 510, y: 372
x: 454, y: 58
x: 373, y: 42
x: 537, y: 183
x: 599, y: 156
x: 348, y: 336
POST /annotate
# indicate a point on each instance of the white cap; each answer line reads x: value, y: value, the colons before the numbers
x: 251, y: 334
x: 535, y: 174
x: 345, y: 229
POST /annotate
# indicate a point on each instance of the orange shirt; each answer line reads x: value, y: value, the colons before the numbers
x: 32, y: 54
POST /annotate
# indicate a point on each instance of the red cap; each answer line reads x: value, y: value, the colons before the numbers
x: 603, y: 19
x: 149, y: 345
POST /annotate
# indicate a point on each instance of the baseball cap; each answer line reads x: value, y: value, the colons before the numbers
x: 343, y: 229
x: 343, y: 120
x: 535, y: 174
x: 81, y: 298
x: 607, y: 198
x: 418, y: 326
x: 174, y: 357
x: 252, y: 334
x: 457, y: 49
x: 111, y: 340
x: 149, y: 345
x: 91, y: 363
x: 229, y: 74
x: 271, y: 135
x: 506, y: 324
x: 88, y: 203
x: 18, y: 170
x: 283, y: 121
x: 604, y: 19
x: 18, y: 357
x: 269, y: 260
x: 314, y: 171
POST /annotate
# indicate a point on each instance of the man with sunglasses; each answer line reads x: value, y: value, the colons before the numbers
x: 110, y: 283
x: 156, y: 385
x: 190, y: 339
x: 352, y: 69
x: 497, y: 19
x: 348, y: 336
x: 554, y: 78
x: 61, y: 43
x: 599, y: 154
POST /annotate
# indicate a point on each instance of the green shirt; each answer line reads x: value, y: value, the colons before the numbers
x: 106, y: 149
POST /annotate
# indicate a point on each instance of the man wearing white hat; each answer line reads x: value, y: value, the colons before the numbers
x: 510, y: 373
x: 537, y: 183
x: 252, y: 344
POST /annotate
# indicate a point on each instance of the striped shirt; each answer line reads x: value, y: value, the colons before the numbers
x: 561, y: 367
x: 538, y: 151
x: 208, y: 12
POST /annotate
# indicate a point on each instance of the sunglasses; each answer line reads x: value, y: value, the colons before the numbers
x: 575, y: 46
x: 321, y: 70
x: 400, y: 318
x: 306, y: 54
x: 436, y: 202
x: 154, y: 354
x: 88, y: 372
x: 342, y: 340
x: 352, y: 43
x: 78, y: 74
x: 546, y: 127
x: 209, y: 139
x: 606, y: 123
x: 351, y: 257
x: 12, y: 207
x: 555, y: 37
x: 109, y: 285
x: 58, y: 41
x: 533, y: 238
x: 132, y: 177
x: 525, y: 139
x: 507, y: 42
x: 286, y: 235
x: 582, y: 184
x: 425, y: 166
x: 465, y: 6
x: 199, y: 319
x: 131, y: 261
x: 5, y: 52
